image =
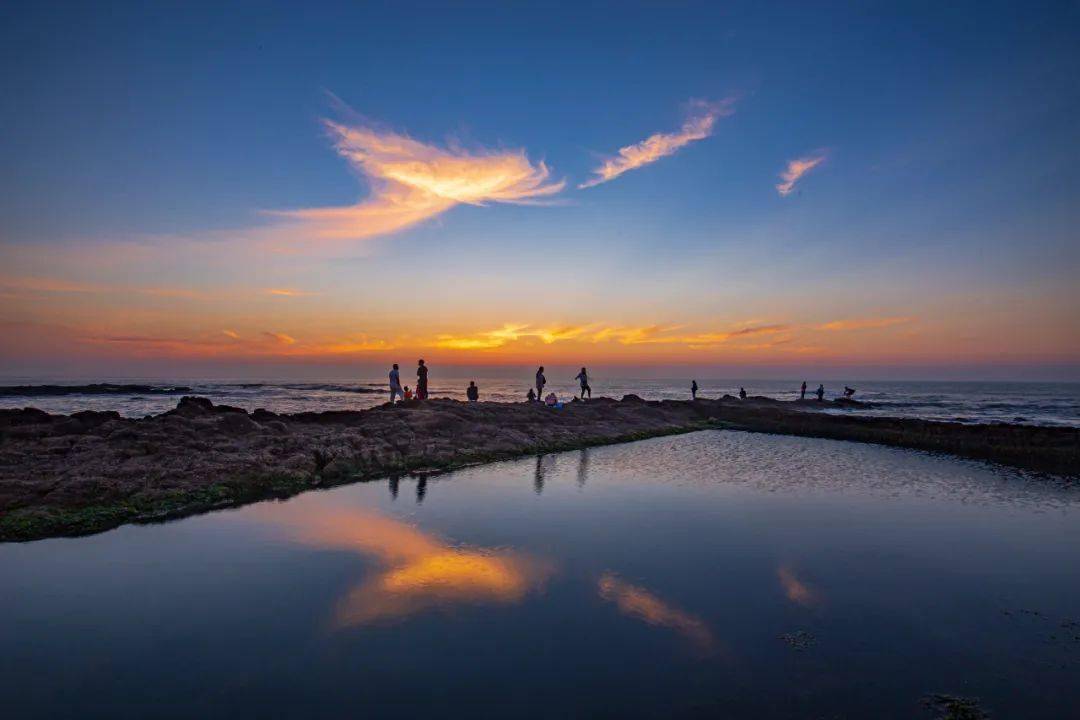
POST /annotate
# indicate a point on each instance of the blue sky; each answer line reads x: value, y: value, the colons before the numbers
x: 947, y: 191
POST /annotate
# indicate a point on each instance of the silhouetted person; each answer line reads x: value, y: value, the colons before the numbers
x: 848, y: 391
x: 802, y: 391
x: 531, y: 395
x: 693, y: 389
x: 742, y: 393
x: 421, y: 381
x: 583, y: 376
x: 820, y: 392
x: 472, y: 392
x: 395, y: 385
x: 541, y: 381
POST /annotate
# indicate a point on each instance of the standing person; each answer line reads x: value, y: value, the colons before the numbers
x: 693, y: 389
x: 472, y: 392
x: 820, y: 392
x: 541, y: 381
x: 395, y: 384
x: 802, y: 392
x: 583, y: 376
x: 421, y: 381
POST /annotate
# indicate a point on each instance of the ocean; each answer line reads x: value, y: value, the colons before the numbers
x: 1033, y: 403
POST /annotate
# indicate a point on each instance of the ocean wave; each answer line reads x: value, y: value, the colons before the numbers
x: 93, y: 389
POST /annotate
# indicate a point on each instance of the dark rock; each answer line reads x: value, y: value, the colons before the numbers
x: 71, y: 426
x: 192, y: 406
x: 92, y: 419
x: 238, y: 423
x: 632, y: 398
x: 25, y: 416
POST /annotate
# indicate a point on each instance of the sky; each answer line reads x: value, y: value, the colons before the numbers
x: 740, y: 188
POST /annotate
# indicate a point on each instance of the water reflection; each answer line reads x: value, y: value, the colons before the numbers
x: 421, y: 571
x: 544, y: 465
x: 796, y: 590
x: 639, y: 603
x: 583, y: 467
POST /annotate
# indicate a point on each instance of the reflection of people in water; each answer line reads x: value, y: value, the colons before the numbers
x: 394, y: 483
x: 582, y: 467
x: 544, y: 463
x: 848, y: 391
x: 421, y: 489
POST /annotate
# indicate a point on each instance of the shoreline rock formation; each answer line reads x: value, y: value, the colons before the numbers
x: 91, y: 471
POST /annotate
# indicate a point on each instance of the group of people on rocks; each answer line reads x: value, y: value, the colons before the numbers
x: 472, y: 392
x: 405, y: 393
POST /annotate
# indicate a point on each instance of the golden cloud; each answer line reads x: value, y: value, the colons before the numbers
x: 411, y: 181
x: 288, y: 292
x: 698, y: 126
x: 796, y: 169
x: 864, y: 323
x: 280, y: 338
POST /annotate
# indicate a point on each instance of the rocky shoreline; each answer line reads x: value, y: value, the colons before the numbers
x: 91, y: 471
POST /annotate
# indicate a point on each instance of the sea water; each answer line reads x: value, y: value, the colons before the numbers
x: 1026, y: 403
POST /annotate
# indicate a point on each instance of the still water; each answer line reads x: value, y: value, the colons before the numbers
x: 718, y: 574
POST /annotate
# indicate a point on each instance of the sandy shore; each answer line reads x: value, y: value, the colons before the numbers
x: 88, y: 472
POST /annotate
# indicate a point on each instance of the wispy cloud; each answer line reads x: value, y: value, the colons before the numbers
x: 231, y: 333
x: 62, y: 286
x: 508, y: 333
x: 288, y: 292
x: 698, y: 125
x: 864, y: 323
x: 599, y: 333
x: 411, y: 181
x: 796, y: 169
x: 280, y: 337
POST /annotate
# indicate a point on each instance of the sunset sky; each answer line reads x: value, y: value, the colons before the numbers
x: 726, y: 186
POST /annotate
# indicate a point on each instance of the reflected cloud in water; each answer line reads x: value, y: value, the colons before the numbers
x: 641, y: 604
x: 796, y: 590
x: 421, y: 572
